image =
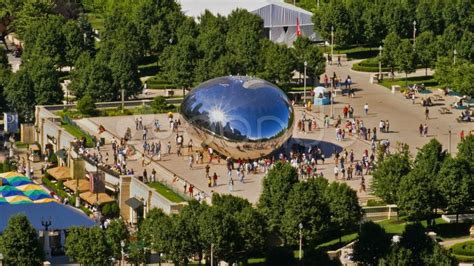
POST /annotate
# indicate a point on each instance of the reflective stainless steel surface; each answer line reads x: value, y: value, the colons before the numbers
x: 240, y: 117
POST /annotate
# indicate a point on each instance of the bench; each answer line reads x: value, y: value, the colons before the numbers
x: 444, y: 110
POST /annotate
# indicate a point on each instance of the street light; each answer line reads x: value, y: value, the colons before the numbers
x: 449, y: 139
x: 212, y: 254
x: 414, y: 33
x: 332, y: 43
x: 122, y: 251
x: 301, y: 239
x: 380, y: 62
x: 304, y: 90
x: 454, y: 58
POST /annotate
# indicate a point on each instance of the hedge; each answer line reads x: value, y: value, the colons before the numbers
x: 363, y: 68
x: 464, y: 248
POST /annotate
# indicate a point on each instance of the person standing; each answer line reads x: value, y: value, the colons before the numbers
x: 387, y: 126
x: 207, y: 170
x: 214, y: 178
x: 413, y: 97
x: 145, y: 132
x: 425, y: 130
x: 190, y: 161
x: 366, y: 108
x: 336, y: 172
x: 461, y: 135
x: 420, y: 129
x: 427, y: 113
x: 231, y: 184
x: 153, y: 175
x: 168, y: 146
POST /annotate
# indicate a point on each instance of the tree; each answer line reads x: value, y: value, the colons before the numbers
x: 415, y: 239
x: 212, y: 34
x: 19, y: 95
x: 391, y: 43
x: 305, y: 51
x: 463, y: 77
x: 45, y: 77
x: 374, y: 26
x: 426, y: 50
x: 424, y: 17
x: 335, y: 15
x: 456, y: 185
x: 155, y: 231
x: 389, y: 173
x: 115, y: 233
x: 443, y: 71
x: 346, y: 212
x: 405, y: 58
x: 243, y: 41
x: 87, y: 246
x: 439, y: 256
x: 124, y: 71
x: 307, y: 205
x: 465, y: 48
x: 398, y: 256
x: 277, y: 184
x: 278, y: 63
x: 372, y: 245
x: 159, y: 104
x: 86, y: 105
x: 397, y: 19
x: 466, y: 149
x: 417, y: 194
x: 19, y: 243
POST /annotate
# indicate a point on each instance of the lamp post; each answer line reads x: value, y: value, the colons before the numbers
x: 122, y: 246
x: 46, y: 248
x: 212, y: 254
x: 449, y: 139
x: 301, y: 240
x: 304, y: 90
x: 414, y: 33
x: 454, y: 56
x: 332, y: 43
x: 380, y: 62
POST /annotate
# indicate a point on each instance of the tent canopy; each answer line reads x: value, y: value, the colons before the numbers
x: 91, y: 198
x: 60, y: 173
x: 72, y: 185
x: 279, y: 17
x: 62, y: 216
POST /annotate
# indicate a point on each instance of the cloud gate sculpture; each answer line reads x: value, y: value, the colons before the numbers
x: 240, y: 117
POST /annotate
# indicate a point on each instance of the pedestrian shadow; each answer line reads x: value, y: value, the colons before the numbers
x: 302, y: 145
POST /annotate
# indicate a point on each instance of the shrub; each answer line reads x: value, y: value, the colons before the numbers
x: 86, y: 105
x: 159, y: 104
x: 464, y: 248
x: 373, y: 203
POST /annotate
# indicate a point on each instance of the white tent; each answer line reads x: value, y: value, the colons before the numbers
x: 279, y: 18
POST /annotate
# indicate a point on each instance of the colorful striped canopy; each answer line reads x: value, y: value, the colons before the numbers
x: 18, y: 199
x: 29, y: 187
x: 3, y: 201
x: 46, y: 200
x: 36, y: 194
x: 18, y: 180
x: 7, y: 191
x: 10, y: 174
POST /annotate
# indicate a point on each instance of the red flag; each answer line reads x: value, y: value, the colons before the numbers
x: 298, y: 29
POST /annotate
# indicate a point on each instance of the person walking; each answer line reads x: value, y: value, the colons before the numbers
x: 336, y: 172
x: 214, y: 178
x: 366, y: 109
x: 420, y: 129
x: 425, y: 130
x: 168, y: 146
x: 231, y: 184
x: 207, y: 168
x: 190, y: 161
x: 427, y: 113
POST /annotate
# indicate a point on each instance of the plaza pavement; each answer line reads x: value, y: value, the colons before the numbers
x: 404, y: 118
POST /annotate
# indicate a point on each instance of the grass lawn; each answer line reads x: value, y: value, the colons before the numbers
x: 166, y: 192
x: 429, y: 81
x: 96, y: 21
x: 78, y: 133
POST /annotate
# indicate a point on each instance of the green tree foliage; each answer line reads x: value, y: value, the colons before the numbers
x: 426, y: 50
x: 278, y: 63
x: 374, y: 26
x: 277, y: 185
x: 346, y: 212
x: 88, y: 246
x: 159, y: 104
x: 398, y: 256
x: 405, y: 57
x: 397, y: 19
x: 124, y: 70
x: 86, y: 105
x: 155, y: 231
x: 456, y: 185
x: 389, y: 173
x: 307, y: 205
x: 334, y: 15
x: 306, y: 51
x: 417, y: 194
x: 212, y: 34
x: 36, y: 83
x: 242, y: 42
x: 372, y: 245
x: 19, y: 243
x: 390, y: 47
x: 466, y: 149
x: 116, y: 233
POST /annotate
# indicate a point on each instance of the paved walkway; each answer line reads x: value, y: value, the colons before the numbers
x: 404, y: 118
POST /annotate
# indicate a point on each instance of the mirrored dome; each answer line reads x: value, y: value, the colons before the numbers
x: 240, y: 117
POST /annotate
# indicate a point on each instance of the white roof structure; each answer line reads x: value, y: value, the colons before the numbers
x: 278, y: 17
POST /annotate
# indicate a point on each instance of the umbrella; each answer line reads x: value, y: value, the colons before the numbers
x: 36, y: 194
x: 19, y: 199
x: 29, y: 187
x: 45, y: 200
x: 9, y: 174
x: 18, y: 180
x: 7, y: 191
x: 60, y: 173
x: 3, y: 201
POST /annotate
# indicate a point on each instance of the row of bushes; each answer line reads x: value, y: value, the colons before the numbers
x: 359, y: 67
x: 7, y: 166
